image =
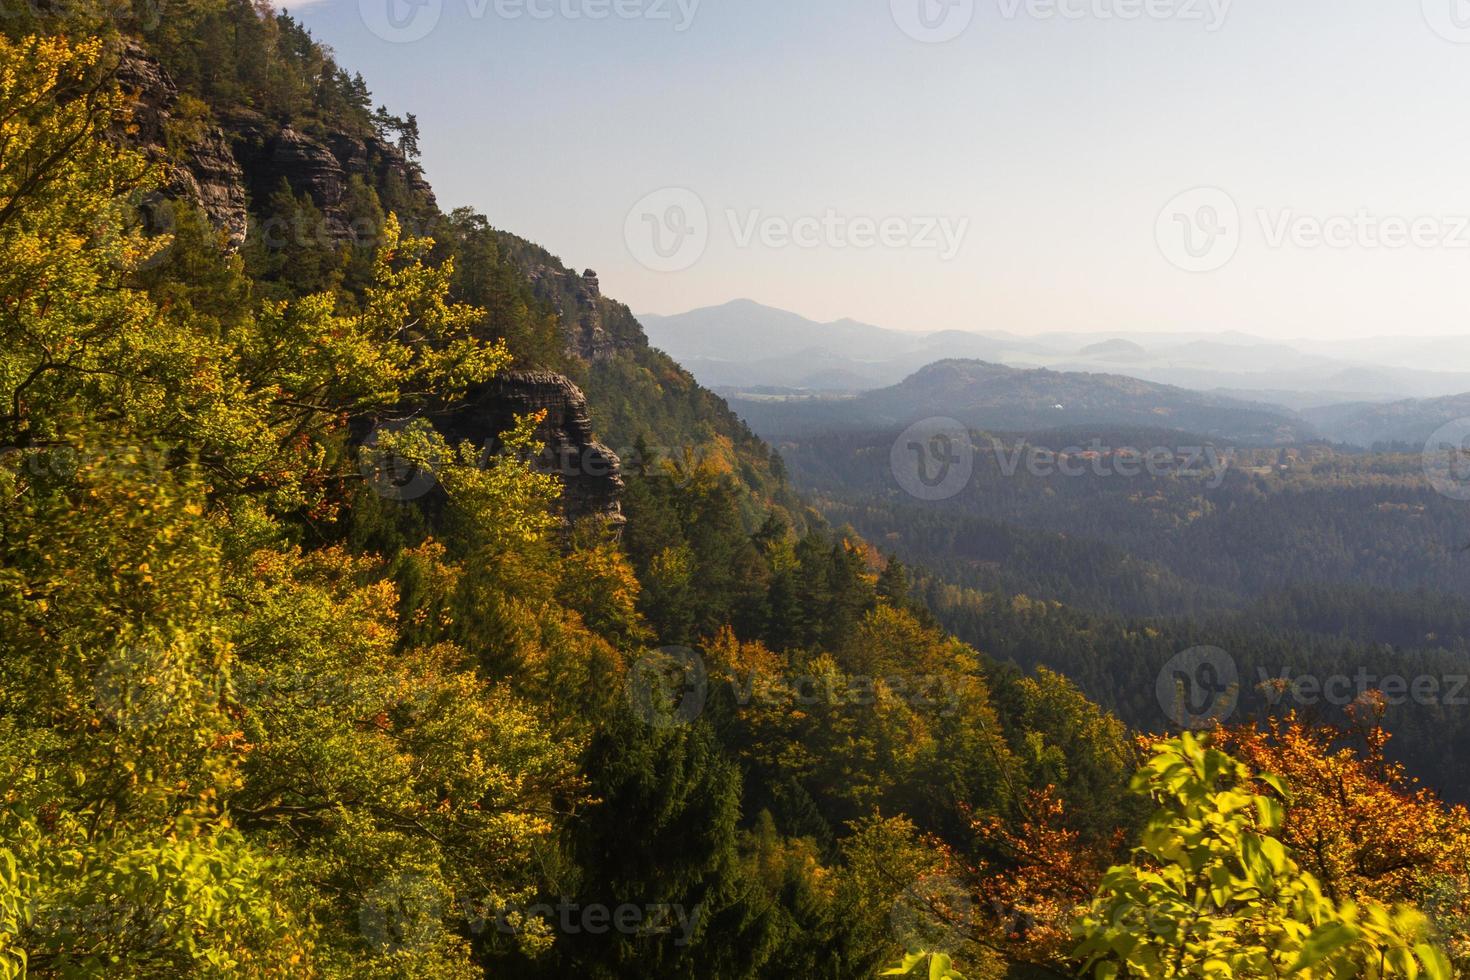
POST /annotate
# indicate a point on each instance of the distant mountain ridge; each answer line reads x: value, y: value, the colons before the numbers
x: 743, y: 344
x: 985, y: 395
x: 1409, y: 422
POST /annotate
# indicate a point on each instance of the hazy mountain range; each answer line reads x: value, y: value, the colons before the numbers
x: 787, y: 374
x: 999, y: 398
x: 744, y: 345
x: 1405, y: 422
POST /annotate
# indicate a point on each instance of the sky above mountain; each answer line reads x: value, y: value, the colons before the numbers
x: 1029, y: 165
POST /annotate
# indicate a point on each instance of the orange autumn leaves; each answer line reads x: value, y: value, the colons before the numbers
x: 1356, y: 822
x: 1361, y: 825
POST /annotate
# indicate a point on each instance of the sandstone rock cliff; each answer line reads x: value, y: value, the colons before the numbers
x: 591, y: 472
x: 207, y: 172
x: 225, y: 170
x: 578, y: 300
x: 318, y: 168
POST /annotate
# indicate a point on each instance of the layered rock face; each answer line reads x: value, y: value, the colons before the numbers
x: 578, y: 298
x: 224, y: 170
x: 318, y: 168
x: 374, y: 159
x: 210, y: 175
x: 216, y: 182
x: 591, y: 473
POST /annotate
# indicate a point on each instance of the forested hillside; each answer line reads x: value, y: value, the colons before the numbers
x: 315, y: 663
x: 1302, y: 562
x: 993, y: 396
x: 1079, y: 515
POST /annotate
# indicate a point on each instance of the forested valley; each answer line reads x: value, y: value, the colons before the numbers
x: 320, y: 657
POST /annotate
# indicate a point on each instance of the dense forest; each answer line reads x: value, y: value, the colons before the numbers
x: 295, y: 682
x: 1308, y: 561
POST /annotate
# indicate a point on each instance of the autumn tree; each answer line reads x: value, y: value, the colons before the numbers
x: 1212, y: 891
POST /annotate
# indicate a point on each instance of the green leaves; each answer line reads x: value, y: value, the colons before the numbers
x: 15, y: 915
x: 940, y: 966
x: 215, y: 745
x: 1325, y: 941
x: 1211, y: 893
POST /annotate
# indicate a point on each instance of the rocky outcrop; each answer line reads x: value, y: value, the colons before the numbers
x: 595, y: 329
x: 271, y: 154
x: 228, y: 175
x: 320, y: 168
x: 578, y: 303
x: 151, y: 94
x: 223, y: 173
x: 206, y: 170
x: 591, y: 472
x: 376, y: 160
x: 215, y: 180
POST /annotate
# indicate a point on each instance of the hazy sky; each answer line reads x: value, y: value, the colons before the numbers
x: 838, y: 158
